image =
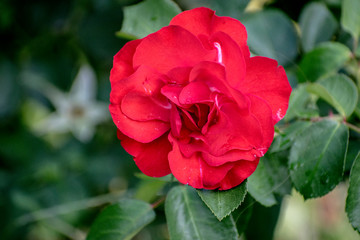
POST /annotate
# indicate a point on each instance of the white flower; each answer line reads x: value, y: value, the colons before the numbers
x: 77, y: 111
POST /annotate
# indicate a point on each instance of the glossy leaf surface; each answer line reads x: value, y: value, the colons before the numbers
x: 189, y: 218
x: 317, y: 156
x: 353, y: 198
x: 121, y: 220
x: 222, y: 203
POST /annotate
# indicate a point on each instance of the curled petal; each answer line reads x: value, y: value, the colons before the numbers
x: 175, y: 122
x: 193, y: 170
x: 172, y: 92
x: 143, y: 108
x: 145, y: 81
x: 231, y: 57
x: 235, y: 29
x: 203, y: 22
x: 194, y: 92
x: 179, y: 75
x: 169, y: 47
x: 123, y: 62
x: 234, y: 129
x: 211, y: 73
x: 267, y: 80
x: 261, y: 111
x: 141, y: 131
x: 151, y: 158
x: 240, y: 171
x: 230, y: 156
x: 197, y: 21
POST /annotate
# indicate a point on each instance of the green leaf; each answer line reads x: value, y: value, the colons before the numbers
x: 352, y: 151
x: 270, y: 178
x: 350, y: 17
x: 317, y: 24
x: 189, y: 218
x: 272, y: 34
x: 121, y: 220
x: 301, y: 104
x: 317, y: 157
x: 147, y: 17
x: 147, y: 190
x: 243, y: 213
x: 260, y: 187
x: 325, y: 59
x: 353, y: 198
x: 222, y: 203
x: 339, y: 91
x: 262, y: 222
x: 286, y: 139
x: 231, y: 8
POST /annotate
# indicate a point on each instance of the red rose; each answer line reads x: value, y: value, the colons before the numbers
x: 189, y: 100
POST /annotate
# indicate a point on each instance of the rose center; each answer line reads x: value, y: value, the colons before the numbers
x: 196, y: 116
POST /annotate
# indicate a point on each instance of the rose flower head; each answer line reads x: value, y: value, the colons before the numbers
x: 189, y: 100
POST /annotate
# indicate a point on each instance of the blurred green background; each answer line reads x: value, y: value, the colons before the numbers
x: 60, y: 160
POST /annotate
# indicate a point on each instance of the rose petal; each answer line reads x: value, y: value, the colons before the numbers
x: 194, y: 92
x: 172, y: 92
x: 231, y: 57
x: 230, y: 156
x: 179, y: 75
x: 175, y: 122
x: 213, y: 74
x: 235, y: 29
x: 234, y: 129
x: 171, y: 47
x: 203, y: 21
x: 144, y: 80
x: 193, y: 170
x: 143, y: 108
x: 140, y: 131
x: 123, y: 62
x: 241, y: 171
x: 197, y: 21
x: 267, y: 80
x: 262, y: 112
x: 151, y: 158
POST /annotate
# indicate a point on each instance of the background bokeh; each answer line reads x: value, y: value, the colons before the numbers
x: 60, y: 160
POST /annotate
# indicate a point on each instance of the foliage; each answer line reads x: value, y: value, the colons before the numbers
x: 54, y: 185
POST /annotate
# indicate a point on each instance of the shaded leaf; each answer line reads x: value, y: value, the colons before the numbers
x: 147, y: 17
x: 317, y: 156
x: 270, y: 178
x: 231, y: 8
x: 271, y: 34
x: 222, y: 203
x: 350, y: 17
x: 352, y: 151
x: 147, y: 190
x: 317, y: 24
x: 353, y: 198
x: 339, y: 91
x: 189, y: 218
x: 285, y: 140
x: 262, y: 222
x: 323, y: 60
x: 300, y: 104
x: 243, y: 213
x: 121, y: 220
x: 260, y: 187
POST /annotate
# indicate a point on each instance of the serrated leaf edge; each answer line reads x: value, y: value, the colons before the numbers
x: 220, y: 219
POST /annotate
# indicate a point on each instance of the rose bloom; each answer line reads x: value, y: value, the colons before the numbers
x: 189, y: 100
